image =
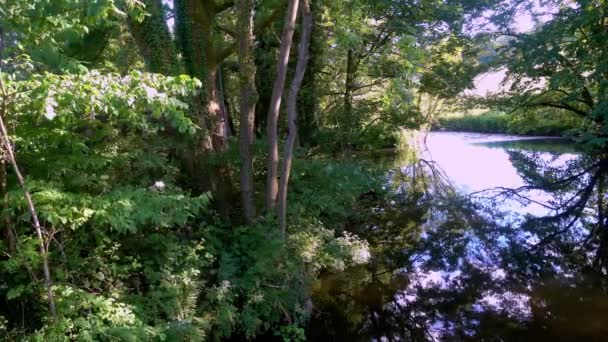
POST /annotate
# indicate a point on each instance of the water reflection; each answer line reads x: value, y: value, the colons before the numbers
x: 477, y: 162
x: 450, y: 266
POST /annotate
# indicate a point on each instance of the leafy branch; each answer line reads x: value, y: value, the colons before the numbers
x: 9, y: 153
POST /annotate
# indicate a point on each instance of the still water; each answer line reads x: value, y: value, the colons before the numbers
x: 476, y: 162
x: 454, y: 261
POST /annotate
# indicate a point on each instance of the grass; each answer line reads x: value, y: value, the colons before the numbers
x: 489, y: 122
x: 533, y: 124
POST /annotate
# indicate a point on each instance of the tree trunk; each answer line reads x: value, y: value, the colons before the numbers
x: 9, y: 237
x: 347, y: 123
x: 248, y: 101
x: 216, y: 116
x: 348, y: 90
x: 265, y: 66
x: 159, y: 51
x: 154, y: 39
x: 229, y: 125
x: 272, y: 183
x: 292, y: 113
x: 308, y: 101
x: 194, y: 32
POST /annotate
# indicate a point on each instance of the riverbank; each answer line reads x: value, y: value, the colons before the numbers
x: 553, y: 124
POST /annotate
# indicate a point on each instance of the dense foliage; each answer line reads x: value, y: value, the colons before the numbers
x: 547, y: 123
x: 153, y: 188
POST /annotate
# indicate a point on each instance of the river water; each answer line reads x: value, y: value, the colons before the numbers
x: 477, y: 162
x: 456, y: 256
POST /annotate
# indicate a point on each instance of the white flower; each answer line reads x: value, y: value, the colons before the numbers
x: 159, y: 185
x: 49, y: 107
x: 150, y: 92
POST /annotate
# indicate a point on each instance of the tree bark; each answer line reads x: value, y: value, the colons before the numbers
x: 216, y: 116
x: 292, y: 113
x: 347, y: 115
x: 229, y: 125
x: 194, y: 20
x: 9, y: 237
x: 154, y: 39
x: 194, y: 32
x: 350, y: 79
x: 10, y: 156
x: 308, y: 101
x: 272, y: 183
x: 249, y: 97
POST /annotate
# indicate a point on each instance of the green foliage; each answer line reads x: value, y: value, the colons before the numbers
x: 328, y: 190
x: 379, y: 53
x: 113, y: 159
x: 55, y: 32
x: 107, y: 192
x: 490, y: 122
x: 128, y: 240
x: 263, y: 283
x: 559, y: 66
x: 291, y: 333
x: 547, y: 123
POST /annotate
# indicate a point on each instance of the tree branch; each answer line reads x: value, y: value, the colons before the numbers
x: 559, y: 105
x: 8, y: 148
x: 260, y: 26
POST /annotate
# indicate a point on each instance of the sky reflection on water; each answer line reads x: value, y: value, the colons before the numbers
x: 476, y: 162
x: 449, y: 267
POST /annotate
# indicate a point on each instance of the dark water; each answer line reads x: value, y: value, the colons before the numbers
x: 452, y: 262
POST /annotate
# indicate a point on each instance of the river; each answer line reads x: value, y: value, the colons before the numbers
x: 458, y: 256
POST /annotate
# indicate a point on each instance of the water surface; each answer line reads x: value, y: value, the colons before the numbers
x: 475, y: 162
x: 453, y: 262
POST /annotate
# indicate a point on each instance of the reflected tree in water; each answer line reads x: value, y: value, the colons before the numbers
x: 446, y: 266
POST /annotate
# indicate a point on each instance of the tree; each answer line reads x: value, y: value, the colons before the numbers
x: 272, y: 183
x: 9, y: 155
x: 249, y: 98
x: 561, y: 65
x: 377, y: 48
x: 292, y: 113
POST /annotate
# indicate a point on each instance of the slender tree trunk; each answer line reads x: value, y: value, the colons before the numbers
x: 272, y: 183
x: 308, y: 101
x: 9, y: 237
x: 265, y: 67
x: 347, y: 115
x: 229, y: 126
x: 292, y: 113
x: 10, y: 156
x: 248, y: 100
